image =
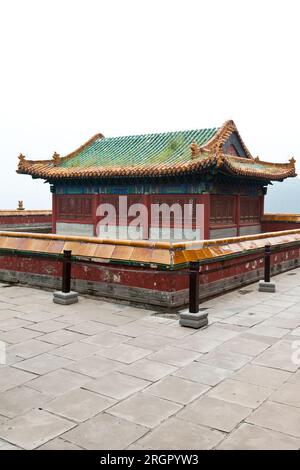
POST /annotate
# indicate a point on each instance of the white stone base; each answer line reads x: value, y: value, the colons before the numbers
x: 266, y: 286
x: 193, y: 320
x: 64, y: 298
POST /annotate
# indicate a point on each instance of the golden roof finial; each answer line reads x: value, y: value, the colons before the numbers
x: 21, y: 158
x: 292, y: 161
x: 195, y: 150
x: 257, y: 159
x: 20, y: 206
x: 56, y: 158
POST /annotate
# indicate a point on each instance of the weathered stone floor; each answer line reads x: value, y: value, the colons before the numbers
x: 98, y: 375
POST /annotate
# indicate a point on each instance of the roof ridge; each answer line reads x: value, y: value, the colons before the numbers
x: 162, y: 133
x: 82, y: 147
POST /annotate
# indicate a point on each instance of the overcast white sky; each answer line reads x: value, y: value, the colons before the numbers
x: 70, y: 69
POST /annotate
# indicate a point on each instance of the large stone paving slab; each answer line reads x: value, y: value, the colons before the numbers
x: 225, y: 359
x: 94, y: 366
x: 49, y: 326
x: 21, y: 399
x: 124, y: 353
x: 30, y: 348
x: 63, y: 337
x: 244, y: 394
x: 203, y: 373
x: 13, y: 323
x: 151, y: 341
x: 199, y: 343
x: 263, y: 376
x: 148, y: 370
x: 116, y: 385
x: 214, y: 413
x: 174, y: 356
x: 145, y: 409
x: 105, y: 431
x: 77, y: 350
x: 18, y: 335
x: 58, y: 382
x: 278, y: 356
x: 79, y: 404
x: 267, y: 330
x: 279, y: 417
x: 33, y: 429
x: 43, y: 363
x: 288, y: 393
x: 244, y: 346
x: 10, y: 377
x: 176, y: 434
x: 59, y: 444
x: 106, y: 339
x: 177, y: 389
x: 250, y: 437
x: 88, y: 327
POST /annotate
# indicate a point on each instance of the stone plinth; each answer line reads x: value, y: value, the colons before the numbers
x: 266, y: 286
x: 65, y: 298
x: 193, y: 320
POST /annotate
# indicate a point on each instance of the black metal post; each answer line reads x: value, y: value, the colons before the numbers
x: 194, y: 286
x: 66, y: 274
x: 267, y: 263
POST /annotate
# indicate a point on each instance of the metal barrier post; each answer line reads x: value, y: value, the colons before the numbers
x: 66, y: 273
x: 193, y: 318
x: 194, y: 286
x: 266, y: 285
x: 66, y: 296
x: 267, y: 263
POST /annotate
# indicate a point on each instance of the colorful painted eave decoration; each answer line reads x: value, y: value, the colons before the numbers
x: 141, y: 253
x: 156, y: 155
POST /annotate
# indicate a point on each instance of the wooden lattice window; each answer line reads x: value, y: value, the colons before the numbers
x: 250, y: 210
x: 183, y: 203
x: 74, y: 207
x: 222, y: 210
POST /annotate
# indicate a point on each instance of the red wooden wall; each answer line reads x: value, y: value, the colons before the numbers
x: 220, y: 211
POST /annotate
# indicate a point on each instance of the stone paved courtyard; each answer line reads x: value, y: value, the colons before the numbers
x: 100, y: 375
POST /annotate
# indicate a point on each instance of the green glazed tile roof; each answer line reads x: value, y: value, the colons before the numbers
x: 156, y: 155
x: 151, y: 149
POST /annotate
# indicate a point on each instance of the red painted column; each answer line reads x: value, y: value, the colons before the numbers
x: 238, y: 214
x: 94, y: 210
x: 262, y: 206
x: 205, y: 199
x: 54, y: 212
x: 147, y: 202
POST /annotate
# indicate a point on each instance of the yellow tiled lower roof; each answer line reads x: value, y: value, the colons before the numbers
x: 164, y: 254
x: 4, y: 213
x: 281, y: 218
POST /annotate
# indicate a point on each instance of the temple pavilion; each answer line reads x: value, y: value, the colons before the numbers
x: 211, y: 167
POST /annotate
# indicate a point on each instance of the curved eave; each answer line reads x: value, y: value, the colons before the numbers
x: 266, y: 170
x: 226, y: 164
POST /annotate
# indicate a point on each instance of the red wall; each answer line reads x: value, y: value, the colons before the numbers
x: 273, y: 226
x: 82, y: 208
x: 22, y: 219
